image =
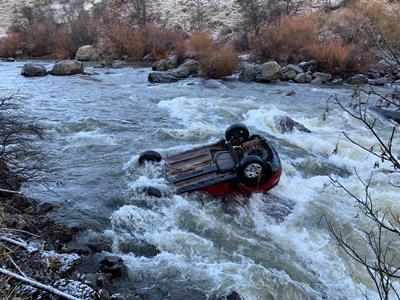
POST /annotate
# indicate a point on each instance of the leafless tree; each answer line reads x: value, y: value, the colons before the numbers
x: 257, y: 13
x: 378, y: 253
x: 21, y: 159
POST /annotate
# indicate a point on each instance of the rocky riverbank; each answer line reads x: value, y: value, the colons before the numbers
x: 40, y: 250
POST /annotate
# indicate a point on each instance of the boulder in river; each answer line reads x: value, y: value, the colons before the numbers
x: 87, y: 53
x: 213, y: 84
x: 388, y: 114
x: 158, y: 77
x: 289, y: 75
x: 33, y: 70
x: 270, y: 71
x: 67, y: 67
x: 165, y: 64
x: 285, y: 124
x: 188, y: 68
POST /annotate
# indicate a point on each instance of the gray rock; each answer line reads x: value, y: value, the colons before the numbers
x: 387, y: 66
x: 113, y: 265
x: 158, y: 77
x: 357, y: 79
x: 309, y: 66
x: 67, y: 67
x: 289, y: 75
x: 87, y: 53
x: 249, y: 72
x: 388, y: 114
x: 291, y: 93
x: 33, y: 70
x: 325, y: 77
x: 317, y: 81
x: 377, y: 82
x: 165, y: 64
x: 285, y: 124
x: 337, y: 80
x: 291, y: 67
x: 9, y: 59
x: 118, y: 64
x: 270, y: 71
x: 303, y: 78
x: 188, y: 68
x: 19, y: 53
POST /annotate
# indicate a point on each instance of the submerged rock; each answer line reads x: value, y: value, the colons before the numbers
x: 213, y: 84
x: 33, y: 70
x: 67, y: 67
x: 87, y: 53
x: 285, y: 124
x: 234, y: 296
x: 158, y: 77
x: 388, y: 114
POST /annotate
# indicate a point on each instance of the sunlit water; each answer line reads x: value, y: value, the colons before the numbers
x: 272, y: 246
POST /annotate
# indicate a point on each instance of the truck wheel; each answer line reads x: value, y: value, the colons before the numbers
x: 149, y: 156
x: 237, y: 134
x: 253, y: 171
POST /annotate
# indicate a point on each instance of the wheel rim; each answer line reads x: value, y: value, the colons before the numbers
x: 253, y: 170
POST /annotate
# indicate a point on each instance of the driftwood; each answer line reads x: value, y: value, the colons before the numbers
x: 38, y: 285
x: 23, y: 245
x: 10, y: 192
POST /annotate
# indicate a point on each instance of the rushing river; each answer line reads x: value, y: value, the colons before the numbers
x: 273, y: 246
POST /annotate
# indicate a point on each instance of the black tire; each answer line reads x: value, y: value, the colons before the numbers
x: 257, y: 152
x: 149, y: 156
x: 253, y: 171
x: 237, y: 134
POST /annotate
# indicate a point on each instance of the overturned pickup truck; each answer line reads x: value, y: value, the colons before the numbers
x: 240, y: 164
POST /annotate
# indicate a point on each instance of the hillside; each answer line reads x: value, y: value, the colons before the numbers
x: 215, y: 14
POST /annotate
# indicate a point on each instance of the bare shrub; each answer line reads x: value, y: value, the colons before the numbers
x: 10, y: 44
x: 22, y: 160
x: 336, y: 57
x: 257, y: 13
x: 287, y: 39
x: 200, y: 43
x: 220, y: 62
